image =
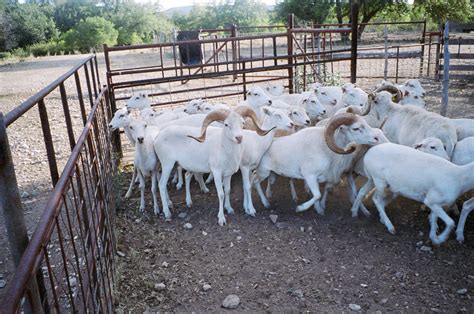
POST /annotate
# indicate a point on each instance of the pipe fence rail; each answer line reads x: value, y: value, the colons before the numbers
x: 67, y: 265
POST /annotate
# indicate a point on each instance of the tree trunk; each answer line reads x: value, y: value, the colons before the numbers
x: 344, y: 36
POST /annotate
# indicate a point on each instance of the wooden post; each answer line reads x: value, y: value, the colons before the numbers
x: 385, y: 66
x: 10, y: 204
x: 444, y: 96
x: 291, y: 21
x: 318, y: 41
x: 354, y: 35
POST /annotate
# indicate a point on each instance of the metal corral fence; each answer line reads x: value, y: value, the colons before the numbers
x: 68, y: 263
x: 231, y: 61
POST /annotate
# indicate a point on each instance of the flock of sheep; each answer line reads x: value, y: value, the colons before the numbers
x: 320, y: 136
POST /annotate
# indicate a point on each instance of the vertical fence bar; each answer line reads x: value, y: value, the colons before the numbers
x: 429, y: 56
x: 422, y: 42
x: 80, y: 98
x: 385, y: 66
x: 438, y: 51
x: 396, y: 69
x: 354, y: 35
x: 291, y: 21
x: 67, y: 116
x: 233, y: 35
x: 10, y: 203
x: 318, y: 40
x: 444, y: 96
x: 48, y: 142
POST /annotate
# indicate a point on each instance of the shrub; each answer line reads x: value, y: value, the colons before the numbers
x: 5, y: 55
x: 91, y: 33
x: 21, y: 52
x: 39, y: 49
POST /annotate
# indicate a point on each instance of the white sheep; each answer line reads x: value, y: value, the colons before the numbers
x: 254, y: 146
x: 464, y: 127
x: 462, y: 155
x: 315, y: 155
x: 422, y: 177
x: 256, y: 98
x: 122, y: 119
x: 138, y: 100
x: 408, y: 125
x: 216, y: 150
x: 274, y: 90
x: 145, y: 160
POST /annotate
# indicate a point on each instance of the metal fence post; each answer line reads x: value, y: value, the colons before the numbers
x: 233, y: 34
x: 385, y: 66
x: 354, y: 35
x: 291, y: 21
x: 444, y: 96
x: 116, y: 144
x: 422, y: 41
x: 10, y: 204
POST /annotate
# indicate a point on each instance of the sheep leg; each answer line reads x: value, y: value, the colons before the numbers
x: 379, y: 201
x: 165, y: 174
x: 187, y: 179
x: 142, y: 191
x: 322, y: 202
x: 227, y: 186
x: 294, y: 196
x: 220, y: 195
x: 200, y: 181
x: 360, y: 196
x: 248, y: 204
x: 467, y: 207
x: 313, y: 185
x: 353, y: 193
x: 179, y: 185
x: 156, y: 207
x: 209, y: 179
x: 271, y: 180
x: 257, y: 179
x: 438, y: 211
x: 132, y: 183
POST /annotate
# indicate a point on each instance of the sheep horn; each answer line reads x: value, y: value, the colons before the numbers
x: 333, y: 124
x: 246, y: 111
x: 354, y: 110
x: 393, y: 90
x: 215, y: 115
x: 383, y: 123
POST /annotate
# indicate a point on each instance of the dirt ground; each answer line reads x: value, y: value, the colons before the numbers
x: 306, y: 262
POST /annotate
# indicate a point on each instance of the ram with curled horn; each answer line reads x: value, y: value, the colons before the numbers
x: 217, y: 150
x: 317, y: 155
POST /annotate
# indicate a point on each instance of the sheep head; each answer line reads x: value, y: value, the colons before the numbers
x: 247, y: 112
x: 215, y: 115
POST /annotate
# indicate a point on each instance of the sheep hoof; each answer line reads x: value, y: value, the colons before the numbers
x: 251, y: 212
x: 300, y: 209
x: 127, y: 196
x: 355, y: 214
x: 167, y: 218
x: 230, y: 210
x: 391, y: 230
x: 205, y: 190
x: 460, y: 238
x: 189, y: 205
x: 141, y: 209
x: 222, y: 221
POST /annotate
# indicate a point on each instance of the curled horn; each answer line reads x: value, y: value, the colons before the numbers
x: 215, y: 115
x: 393, y: 90
x: 333, y: 124
x: 246, y: 111
x: 354, y: 110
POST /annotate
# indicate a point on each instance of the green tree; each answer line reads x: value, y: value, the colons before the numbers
x: 25, y: 24
x: 440, y: 11
x: 68, y: 13
x: 315, y: 11
x: 91, y: 33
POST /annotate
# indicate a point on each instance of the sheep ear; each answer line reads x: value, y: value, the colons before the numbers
x: 128, y: 111
x: 406, y: 93
x: 249, y: 93
x: 416, y: 146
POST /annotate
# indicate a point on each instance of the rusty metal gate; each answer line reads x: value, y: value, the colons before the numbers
x: 68, y: 264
